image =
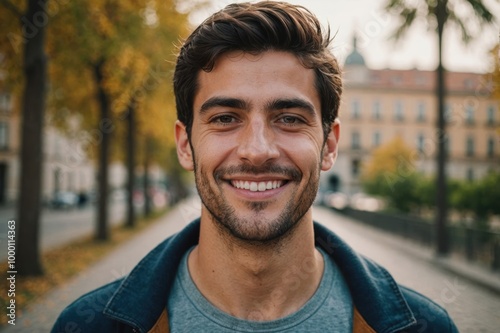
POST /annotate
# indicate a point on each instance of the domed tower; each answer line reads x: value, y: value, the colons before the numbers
x: 355, y: 70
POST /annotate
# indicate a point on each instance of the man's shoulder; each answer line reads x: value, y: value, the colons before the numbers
x: 86, y: 314
x: 430, y: 316
x: 381, y: 301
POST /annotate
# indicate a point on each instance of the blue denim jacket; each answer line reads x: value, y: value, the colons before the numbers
x: 137, y: 303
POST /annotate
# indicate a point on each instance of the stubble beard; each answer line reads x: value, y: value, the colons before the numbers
x: 260, y: 228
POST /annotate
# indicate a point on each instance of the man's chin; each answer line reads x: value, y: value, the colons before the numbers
x: 258, y: 228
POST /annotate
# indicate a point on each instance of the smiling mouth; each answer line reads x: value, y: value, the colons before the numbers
x: 257, y: 186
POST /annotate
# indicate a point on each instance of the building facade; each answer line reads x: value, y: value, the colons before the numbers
x: 379, y: 105
x: 66, y: 165
x: 9, y: 147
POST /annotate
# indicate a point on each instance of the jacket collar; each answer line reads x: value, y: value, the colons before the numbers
x: 374, y: 292
x: 142, y: 296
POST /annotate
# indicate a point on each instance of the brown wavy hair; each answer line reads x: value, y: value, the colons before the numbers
x: 256, y: 28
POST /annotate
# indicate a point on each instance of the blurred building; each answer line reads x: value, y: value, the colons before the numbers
x: 66, y: 165
x: 378, y: 105
x: 9, y: 147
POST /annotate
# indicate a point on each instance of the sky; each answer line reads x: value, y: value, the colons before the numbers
x: 418, y: 49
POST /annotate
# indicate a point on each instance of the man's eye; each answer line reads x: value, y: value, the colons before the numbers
x: 224, y: 119
x: 290, y: 120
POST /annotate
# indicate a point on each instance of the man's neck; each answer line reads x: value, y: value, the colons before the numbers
x: 257, y: 282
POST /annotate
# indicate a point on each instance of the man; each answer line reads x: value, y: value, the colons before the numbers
x: 257, y: 94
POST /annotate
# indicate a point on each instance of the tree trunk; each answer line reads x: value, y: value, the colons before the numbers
x: 33, y: 110
x: 442, y: 246
x: 147, y: 197
x: 105, y: 127
x: 130, y: 149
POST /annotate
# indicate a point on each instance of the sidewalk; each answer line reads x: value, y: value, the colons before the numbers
x: 41, y: 316
x: 471, y: 271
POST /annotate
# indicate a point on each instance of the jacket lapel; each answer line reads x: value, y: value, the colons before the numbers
x: 375, y: 294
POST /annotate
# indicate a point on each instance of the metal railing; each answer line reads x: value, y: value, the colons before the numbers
x: 472, y: 244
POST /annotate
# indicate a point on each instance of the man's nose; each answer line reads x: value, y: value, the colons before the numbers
x: 257, y: 143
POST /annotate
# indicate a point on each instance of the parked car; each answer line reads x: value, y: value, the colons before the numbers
x: 336, y: 200
x: 64, y: 200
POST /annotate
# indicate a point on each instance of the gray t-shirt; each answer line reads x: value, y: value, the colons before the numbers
x: 330, y: 309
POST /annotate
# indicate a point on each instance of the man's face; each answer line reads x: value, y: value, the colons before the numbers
x: 257, y: 144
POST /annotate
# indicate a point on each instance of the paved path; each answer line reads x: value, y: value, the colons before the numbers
x: 474, y: 309
x: 60, y: 227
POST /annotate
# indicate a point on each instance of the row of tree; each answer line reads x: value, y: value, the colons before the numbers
x: 392, y: 174
x: 105, y: 65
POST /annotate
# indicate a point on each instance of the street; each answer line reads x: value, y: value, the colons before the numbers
x: 59, y: 227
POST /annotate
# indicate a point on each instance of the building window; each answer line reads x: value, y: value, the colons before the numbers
x: 376, y: 139
x: 469, y: 114
x: 375, y: 78
x: 376, y: 111
x: 421, y: 111
x: 420, y: 142
x: 448, y: 110
x: 355, y: 140
x: 4, y: 102
x: 355, y: 167
x: 490, y: 113
x: 4, y: 135
x: 355, y: 109
x: 396, y: 80
x: 398, y: 111
x: 420, y: 79
x: 468, y: 84
x: 469, y: 146
x: 490, y: 150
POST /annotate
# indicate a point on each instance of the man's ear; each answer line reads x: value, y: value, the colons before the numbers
x: 184, y: 152
x: 331, y: 146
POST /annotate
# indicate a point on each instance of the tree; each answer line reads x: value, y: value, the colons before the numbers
x: 391, y: 173
x: 30, y: 37
x: 438, y: 14
x: 122, y: 52
x: 93, y: 41
x: 153, y: 111
x: 105, y: 42
x: 479, y: 198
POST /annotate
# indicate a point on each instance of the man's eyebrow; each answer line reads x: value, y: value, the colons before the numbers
x: 227, y: 102
x: 290, y: 103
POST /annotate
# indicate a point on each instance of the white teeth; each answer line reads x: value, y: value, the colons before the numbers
x: 262, y: 186
x: 257, y: 186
